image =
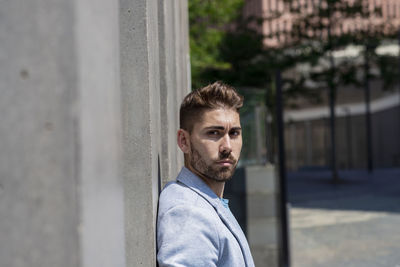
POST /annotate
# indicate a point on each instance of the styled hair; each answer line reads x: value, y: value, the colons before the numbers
x: 213, y: 96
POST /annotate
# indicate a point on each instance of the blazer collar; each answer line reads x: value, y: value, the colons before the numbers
x: 200, y: 187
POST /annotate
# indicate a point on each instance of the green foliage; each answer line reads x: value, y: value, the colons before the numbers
x: 208, y: 22
x: 225, y: 46
x: 245, y: 56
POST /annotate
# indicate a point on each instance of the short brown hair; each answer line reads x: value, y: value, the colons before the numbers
x: 213, y: 96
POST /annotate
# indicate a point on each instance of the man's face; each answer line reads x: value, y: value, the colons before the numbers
x: 215, y: 144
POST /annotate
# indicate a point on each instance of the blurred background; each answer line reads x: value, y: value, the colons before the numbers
x: 340, y: 53
x: 334, y: 141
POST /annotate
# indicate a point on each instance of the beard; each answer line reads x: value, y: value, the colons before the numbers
x: 211, y: 171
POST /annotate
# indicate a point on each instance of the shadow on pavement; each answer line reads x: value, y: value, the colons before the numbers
x: 357, y: 190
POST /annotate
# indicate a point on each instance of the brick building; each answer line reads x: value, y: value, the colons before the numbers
x: 278, y: 18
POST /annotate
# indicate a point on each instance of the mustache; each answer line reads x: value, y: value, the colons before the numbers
x: 226, y: 155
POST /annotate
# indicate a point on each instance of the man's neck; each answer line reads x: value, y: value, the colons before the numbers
x: 216, y: 186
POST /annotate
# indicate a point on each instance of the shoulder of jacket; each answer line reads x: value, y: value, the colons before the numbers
x: 179, y: 194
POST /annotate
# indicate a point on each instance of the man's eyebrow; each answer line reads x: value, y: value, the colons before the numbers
x: 216, y: 127
x: 236, y: 128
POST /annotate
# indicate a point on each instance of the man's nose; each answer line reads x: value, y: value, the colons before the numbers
x: 225, y: 145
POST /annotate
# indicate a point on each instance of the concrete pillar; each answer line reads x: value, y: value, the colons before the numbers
x: 151, y: 42
x: 140, y: 102
x: 101, y: 186
x: 81, y: 130
x: 61, y: 202
x: 174, y: 84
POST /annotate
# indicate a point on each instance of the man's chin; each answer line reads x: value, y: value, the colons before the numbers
x: 224, y: 174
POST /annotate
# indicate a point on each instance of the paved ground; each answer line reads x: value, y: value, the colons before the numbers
x: 354, y: 223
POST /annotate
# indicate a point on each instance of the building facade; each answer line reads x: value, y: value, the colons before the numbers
x: 279, y: 20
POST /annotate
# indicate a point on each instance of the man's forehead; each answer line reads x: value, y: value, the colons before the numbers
x: 219, y: 117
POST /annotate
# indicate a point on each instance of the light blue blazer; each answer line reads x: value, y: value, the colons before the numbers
x: 195, y: 229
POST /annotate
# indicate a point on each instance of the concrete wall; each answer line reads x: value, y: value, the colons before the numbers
x: 154, y: 52
x: 89, y: 99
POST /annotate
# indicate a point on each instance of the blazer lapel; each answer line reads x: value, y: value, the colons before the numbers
x: 232, y: 224
x: 196, y: 184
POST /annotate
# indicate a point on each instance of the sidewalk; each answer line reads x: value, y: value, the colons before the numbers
x: 353, y: 223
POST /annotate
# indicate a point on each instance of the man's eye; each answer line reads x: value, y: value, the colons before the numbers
x: 235, y: 133
x: 213, y: 133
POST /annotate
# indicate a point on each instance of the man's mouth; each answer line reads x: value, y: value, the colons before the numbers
x: 226, y: 162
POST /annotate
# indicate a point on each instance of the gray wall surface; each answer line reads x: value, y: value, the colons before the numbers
x: 90, y: 94
x: 154, y: 47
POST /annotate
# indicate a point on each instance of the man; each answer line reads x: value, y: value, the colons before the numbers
x: 195, y: 226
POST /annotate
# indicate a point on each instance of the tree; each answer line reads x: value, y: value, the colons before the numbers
x: 322, y: 28
x: 208, y: 23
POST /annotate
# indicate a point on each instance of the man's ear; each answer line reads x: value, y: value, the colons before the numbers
x: 184, y: 141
